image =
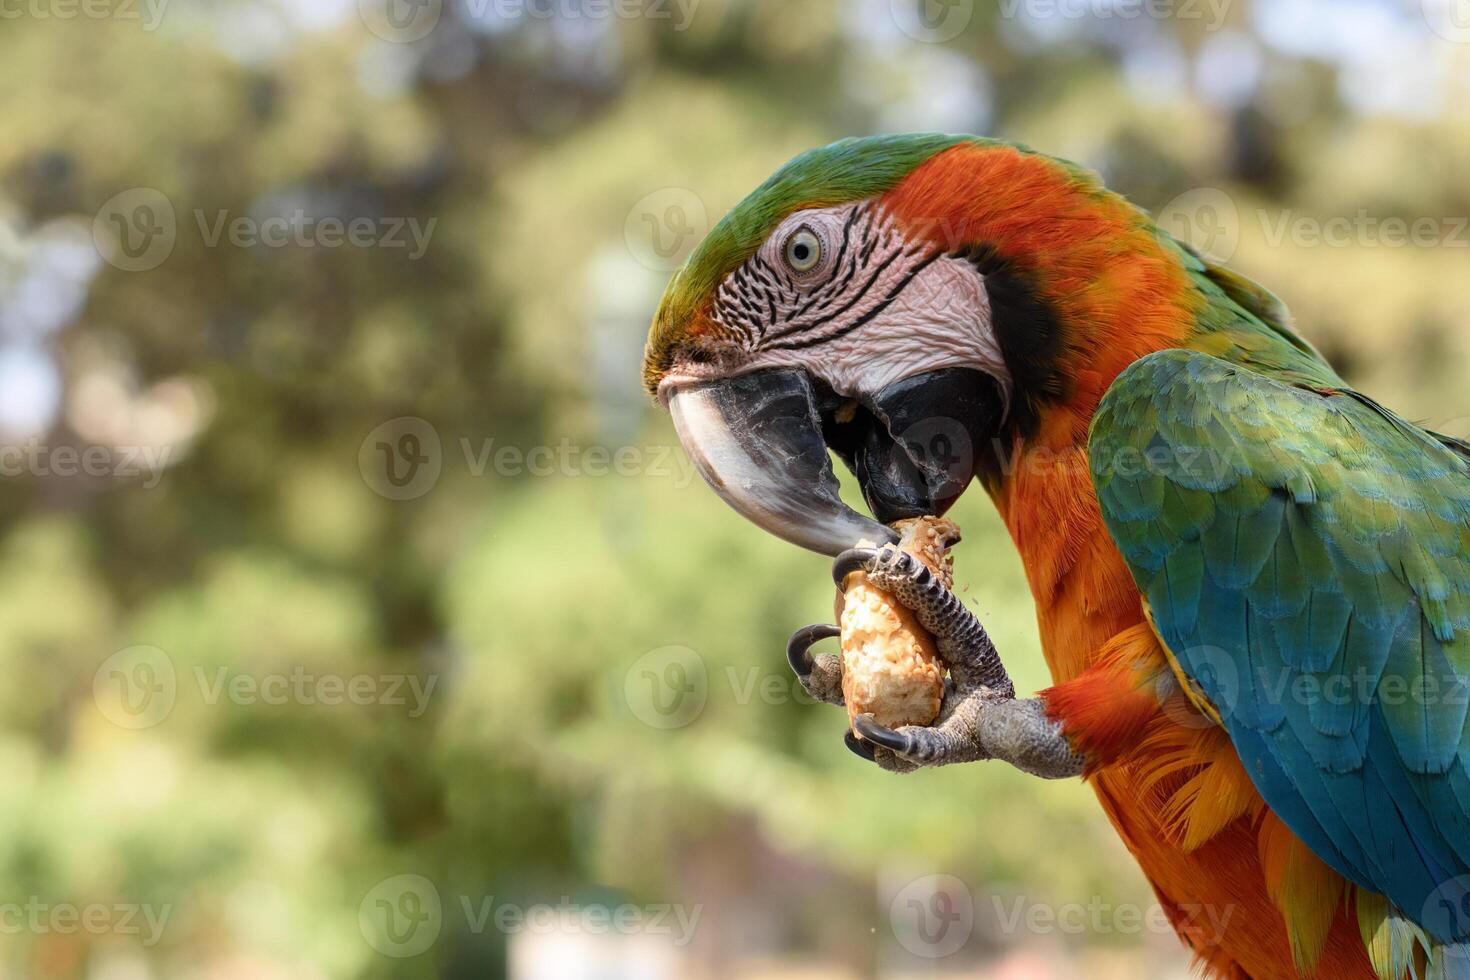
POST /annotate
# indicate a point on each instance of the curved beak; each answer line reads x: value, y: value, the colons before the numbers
x: 757, y: 440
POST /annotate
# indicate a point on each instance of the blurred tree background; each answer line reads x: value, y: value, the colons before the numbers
x: 347, y: 569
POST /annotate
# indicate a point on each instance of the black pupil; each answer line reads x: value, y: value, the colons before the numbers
x: 801, y: 251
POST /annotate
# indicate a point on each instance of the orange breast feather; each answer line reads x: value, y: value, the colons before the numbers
x: 1239, y: 887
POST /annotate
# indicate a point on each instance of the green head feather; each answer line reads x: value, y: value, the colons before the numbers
x: 845, y: 171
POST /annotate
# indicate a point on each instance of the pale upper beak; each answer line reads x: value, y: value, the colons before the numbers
x: 757, y: 441
x: 760, y: 440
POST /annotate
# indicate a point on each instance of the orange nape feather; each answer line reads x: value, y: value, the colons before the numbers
x: 1092, y: 256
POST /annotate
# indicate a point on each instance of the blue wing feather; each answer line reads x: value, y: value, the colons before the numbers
x: 1317, y: 548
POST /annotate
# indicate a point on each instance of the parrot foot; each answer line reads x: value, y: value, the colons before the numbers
x: 980, y: 718
x: 821, y: 675
x: 961, y: 640
x: 974, y: 728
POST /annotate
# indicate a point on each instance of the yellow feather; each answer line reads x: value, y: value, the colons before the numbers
x: 1307, y: 891
x: 1396, y: 947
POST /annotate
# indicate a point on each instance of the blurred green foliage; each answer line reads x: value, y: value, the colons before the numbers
x: 270, y: 546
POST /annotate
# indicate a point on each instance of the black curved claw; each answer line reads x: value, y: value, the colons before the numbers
x: 881, y: 735
x: 852, y: 560
x: 802, y: 640
x: 859, y: 748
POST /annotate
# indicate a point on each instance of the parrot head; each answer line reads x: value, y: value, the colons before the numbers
x: 916, y: 304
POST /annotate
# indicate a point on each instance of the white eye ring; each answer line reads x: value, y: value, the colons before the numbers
x: 803, y: 250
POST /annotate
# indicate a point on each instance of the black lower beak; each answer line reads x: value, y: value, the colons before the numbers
x: 916, y: 445
x: 761, y: 440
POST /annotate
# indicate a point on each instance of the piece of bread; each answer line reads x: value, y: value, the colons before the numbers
x: 890, y: 668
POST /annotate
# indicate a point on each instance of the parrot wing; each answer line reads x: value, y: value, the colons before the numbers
x: 1305, y: 556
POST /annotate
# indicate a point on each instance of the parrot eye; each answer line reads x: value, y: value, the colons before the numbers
x: 803, y: 250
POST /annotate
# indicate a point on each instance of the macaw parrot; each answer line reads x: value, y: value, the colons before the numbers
x: 1252, y: 582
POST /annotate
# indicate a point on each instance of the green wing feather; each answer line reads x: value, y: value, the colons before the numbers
x: 1306, y: 555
